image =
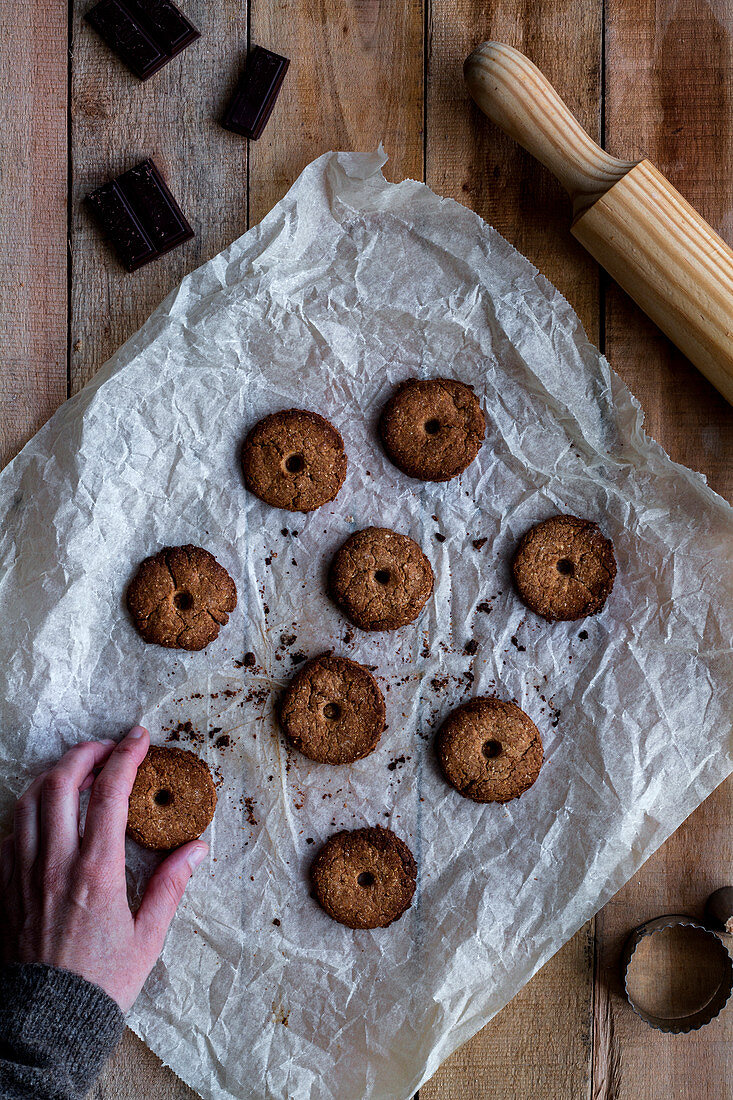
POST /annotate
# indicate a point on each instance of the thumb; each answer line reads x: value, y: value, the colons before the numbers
x: 165, y: 890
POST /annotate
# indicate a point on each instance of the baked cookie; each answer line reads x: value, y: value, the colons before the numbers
x: 333, y: 710
x: 295, y: 460
x: 381, y: 580
x: 564, y: 568
x: 364, y: 878
x: 489, y: 750
x: 432, y: 430
x: 173, y: 799
x: 180, y: 597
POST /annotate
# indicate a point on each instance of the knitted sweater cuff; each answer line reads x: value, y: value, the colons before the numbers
x: 53, y: 1019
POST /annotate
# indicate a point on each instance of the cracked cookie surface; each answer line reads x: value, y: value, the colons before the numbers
x: 180, y: 597
x: 172, y: 800
x: 564, y: 568
x: 432, y: 429
x: 489, y: 750
x: 294, y: 460
x: 364, y: 878
x: 380, y: 579
x: 333, y: 711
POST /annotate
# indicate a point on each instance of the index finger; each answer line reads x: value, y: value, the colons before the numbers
x: 104, y: 830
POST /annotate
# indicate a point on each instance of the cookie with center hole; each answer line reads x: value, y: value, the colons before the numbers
x: 364, y: 878
x: 380, y: 579
x: 489, y: 750
x: 173, y: 799
x: 181, y: 597
x: 333, y: 711
x: 564, y: 568
x: 432, y: 430
x: 294, y: 460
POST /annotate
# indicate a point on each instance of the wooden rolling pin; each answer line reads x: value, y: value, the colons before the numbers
x: 627, y: 215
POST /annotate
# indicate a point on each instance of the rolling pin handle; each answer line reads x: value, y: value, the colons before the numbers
x: 519, y: 99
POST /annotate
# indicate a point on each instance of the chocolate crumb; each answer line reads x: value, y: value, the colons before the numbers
x: 439, y: 537
x: 485, y: 607
x: 393, y: 764
x: 478, y: 543
x: 515, y: 643
x: 309, y: 840
x: 288, y: 639
x: 284, y: 531
x: 583, y: 635
x: 471, y: 647
x: 249, y: 660
x: 276, y: 922
x: 268, y: 561
x: 223, y: 742
x: 297, y: 658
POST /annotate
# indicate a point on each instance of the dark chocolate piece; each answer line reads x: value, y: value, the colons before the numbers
x: 139, y: 215
x: 145, y: 34
x: 249, y: 110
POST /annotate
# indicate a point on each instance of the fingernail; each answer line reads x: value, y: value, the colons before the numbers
x: 196, y: 857
x: 136, y: 732
x: 107, y: 741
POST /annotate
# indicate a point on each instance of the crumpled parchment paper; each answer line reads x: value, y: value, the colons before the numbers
x: 348, y: 286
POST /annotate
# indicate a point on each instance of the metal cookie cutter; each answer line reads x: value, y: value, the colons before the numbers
x: 677, y: 973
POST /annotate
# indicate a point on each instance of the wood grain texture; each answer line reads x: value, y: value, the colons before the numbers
x: 518, y: 97
x: 631, y: 1061
x: 135, y: 1073
x: 669, y: 260
x: 116, y: 122
x: 355, y: 79
x: 520, y: 1054
x: 471, y: 160
x: 33, y: 277
x: 669, y: 97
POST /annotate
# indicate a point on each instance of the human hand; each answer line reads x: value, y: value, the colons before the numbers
x: 63, y: 900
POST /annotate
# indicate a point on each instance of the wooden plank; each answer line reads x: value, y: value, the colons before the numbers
x: 173, y: 117
x: 538, y: 1046
x: 522, y: 1052
x: 632, y: 1061
x: 669, y: 96
x: 33, y: 279
x: 134, y: 1073
x: 355, y: 79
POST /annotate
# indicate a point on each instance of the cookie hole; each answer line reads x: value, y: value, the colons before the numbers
x: 332, y: 710
x: 183, y: 601
x: 432, y: 427
x: 566, y: 567
x: 162, y: 797
x: 295, y: 464
x: 382, y: 576
x: 365, y: 879
x: 490, y: 749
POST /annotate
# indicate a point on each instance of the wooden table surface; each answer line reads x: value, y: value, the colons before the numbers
x: 645, y: 78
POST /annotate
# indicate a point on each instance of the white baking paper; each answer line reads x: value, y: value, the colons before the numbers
x: 348, y: 286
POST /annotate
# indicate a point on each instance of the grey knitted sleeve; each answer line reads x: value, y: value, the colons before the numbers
x: 56, y: 1032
